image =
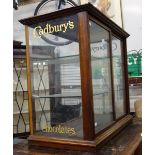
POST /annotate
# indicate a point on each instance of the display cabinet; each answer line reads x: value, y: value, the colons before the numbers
x: 83, y: 99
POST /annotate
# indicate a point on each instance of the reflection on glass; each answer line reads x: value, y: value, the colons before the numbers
x: 52, y: 6
x: 55, y: 78
x: 101, y: 78
x: 118, y: 77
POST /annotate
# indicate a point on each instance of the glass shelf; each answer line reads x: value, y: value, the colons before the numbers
x: 67, y: 95
x: 55, y: 61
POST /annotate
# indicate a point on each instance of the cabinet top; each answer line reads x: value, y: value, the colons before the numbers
x: 89, y: 8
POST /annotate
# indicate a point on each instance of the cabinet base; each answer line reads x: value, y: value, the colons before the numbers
x: 35, y: 140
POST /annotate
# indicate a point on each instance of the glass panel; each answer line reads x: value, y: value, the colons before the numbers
x: 101, y: 77
x: 55, y: 78
x: 20, y: 99
x: 118, y: 77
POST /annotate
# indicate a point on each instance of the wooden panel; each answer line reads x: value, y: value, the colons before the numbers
x: 86, y: 81
x: 105, y: 136
x: 112, y: 76
x: 127, y: 102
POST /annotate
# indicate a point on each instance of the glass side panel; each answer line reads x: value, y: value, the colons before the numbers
x: 101, y: 77
x: 118, y: 77
x: 20, y: 95
x: 55, y: 78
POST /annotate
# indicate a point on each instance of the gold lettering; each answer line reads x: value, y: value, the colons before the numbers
x: 61, y: 27
x: 56, y: 28
x: 35, y: 32
x: 60, y: 129
x: 57, y: 129
x: 65, y: 27
x: 41, y: 32
x: 72, y: 131
x: 71, y: 25
x: 50, y: 129
x: 44, y: 130
x: 51, y: 29
x: 48, y: 29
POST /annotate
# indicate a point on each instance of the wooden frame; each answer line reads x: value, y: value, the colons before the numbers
x: 30, y: 105
x: 86, y: 81
x: 90, y: 140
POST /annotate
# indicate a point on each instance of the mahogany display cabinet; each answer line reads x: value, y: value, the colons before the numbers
x: 77, y: 78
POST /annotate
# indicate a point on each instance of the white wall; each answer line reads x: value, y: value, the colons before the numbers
x: 116, y: 11
x: 132, y: 21
x: 23, y: 12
